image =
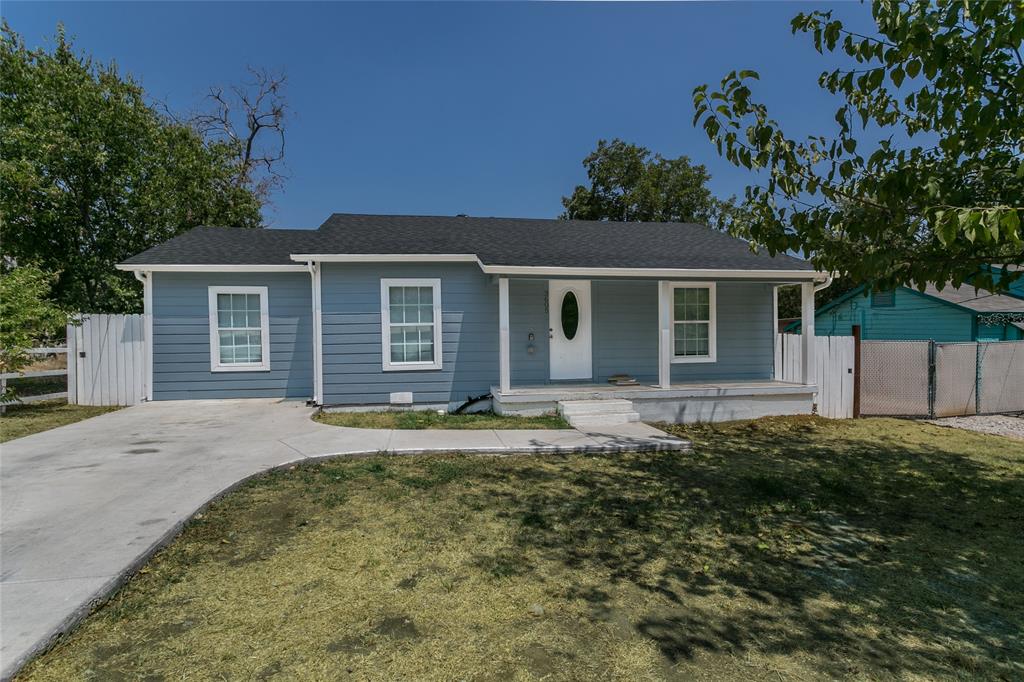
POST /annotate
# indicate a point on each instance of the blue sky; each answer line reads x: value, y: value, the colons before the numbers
x: 478, y: 108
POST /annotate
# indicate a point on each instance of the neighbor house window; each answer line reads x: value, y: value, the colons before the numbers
x: 883, y: 299
x: 693, y: 322
x: 411, y: 323
x: 239, y: 329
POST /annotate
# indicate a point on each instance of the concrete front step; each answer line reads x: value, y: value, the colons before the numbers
x: 599, y: 420
x: 571, y: 408
x: 590, y: 413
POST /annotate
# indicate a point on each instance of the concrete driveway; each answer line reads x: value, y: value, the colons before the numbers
x: 85, y: 504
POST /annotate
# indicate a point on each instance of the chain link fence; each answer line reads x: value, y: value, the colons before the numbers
x: 928, y: 379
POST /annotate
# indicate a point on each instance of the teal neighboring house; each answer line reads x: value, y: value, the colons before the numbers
x: 1000, y: 271
x: 952, y: 314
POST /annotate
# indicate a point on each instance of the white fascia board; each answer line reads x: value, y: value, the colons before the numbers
x: 386, y: 257
x: 210, y: 268
x: 770, y: 275
x: 525, y: 270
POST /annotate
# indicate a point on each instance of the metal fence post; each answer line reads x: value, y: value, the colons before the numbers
x: 977, y: 378
x: 931, y: 379
x: 856, y: 371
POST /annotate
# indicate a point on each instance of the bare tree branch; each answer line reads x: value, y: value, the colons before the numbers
x: 250, y: 119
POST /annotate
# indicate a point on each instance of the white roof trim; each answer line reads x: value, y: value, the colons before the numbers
x: 386, y: 257
x: 525, y: 270
x: 654, y: 272
x: 554, y: 271
x: 133, y: 267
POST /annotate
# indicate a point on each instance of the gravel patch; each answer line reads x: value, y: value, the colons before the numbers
x: 996, y: 424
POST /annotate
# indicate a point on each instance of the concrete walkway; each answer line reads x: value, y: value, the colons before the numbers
x: 85, y: 505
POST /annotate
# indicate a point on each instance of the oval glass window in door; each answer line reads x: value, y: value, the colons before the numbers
x: 570, y: 315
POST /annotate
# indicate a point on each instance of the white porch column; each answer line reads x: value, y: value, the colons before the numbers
x: 664, y: 334
x: 807, y: 332
x: 505, y: 374
x: 318, y: 349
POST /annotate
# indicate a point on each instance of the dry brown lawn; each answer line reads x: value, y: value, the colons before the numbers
x: 779, y: 549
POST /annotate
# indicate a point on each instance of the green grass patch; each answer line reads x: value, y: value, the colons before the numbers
x: 24, y: 420
x: 789, y: 548
x: 425, y: 419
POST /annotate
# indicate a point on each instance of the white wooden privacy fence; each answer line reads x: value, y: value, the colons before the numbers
x: 107, y: 360
x: 834, y: 371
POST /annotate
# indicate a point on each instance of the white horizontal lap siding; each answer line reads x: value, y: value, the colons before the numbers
x: 181, y: 337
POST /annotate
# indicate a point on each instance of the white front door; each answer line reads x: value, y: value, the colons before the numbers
x: 569, y: 322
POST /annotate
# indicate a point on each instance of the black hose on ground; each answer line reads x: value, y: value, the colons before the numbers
x: 471, y: 401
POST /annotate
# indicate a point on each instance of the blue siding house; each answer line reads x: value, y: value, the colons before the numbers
x: 432, y: 312
x: 952, y: 314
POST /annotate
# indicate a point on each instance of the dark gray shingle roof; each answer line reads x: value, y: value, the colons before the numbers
x: 226, y: 246
x: 496, y: 241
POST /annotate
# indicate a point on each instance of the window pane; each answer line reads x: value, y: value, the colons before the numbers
x: 691, y: 304
x: 227, y: 350
x: 255, y: 347
x: 679, y: 341
x: 692, y: 339
x: 411, y: 313
x: 238, y: 311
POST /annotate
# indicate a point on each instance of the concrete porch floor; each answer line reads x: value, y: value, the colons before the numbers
x: 594, y: 391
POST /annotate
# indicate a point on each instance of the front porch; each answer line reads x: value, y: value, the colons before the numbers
x: 696, y: 350
x: 679, y: 403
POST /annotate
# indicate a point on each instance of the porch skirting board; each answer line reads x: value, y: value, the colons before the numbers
x: 676, y: 405
x: 719, y: 409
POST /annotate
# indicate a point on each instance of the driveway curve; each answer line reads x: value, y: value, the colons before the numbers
x: 83, y: 506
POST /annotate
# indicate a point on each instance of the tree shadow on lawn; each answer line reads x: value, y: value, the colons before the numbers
x: 852, y: 546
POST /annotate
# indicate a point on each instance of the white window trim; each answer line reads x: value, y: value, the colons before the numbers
x: 385, y: 324
x: 712, y: 323
x: 215, y: 363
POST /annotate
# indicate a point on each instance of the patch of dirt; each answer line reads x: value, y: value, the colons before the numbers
x: 350, y: 645
x: 397, y: 627
x: 269, y: 671
x: 540, y: 661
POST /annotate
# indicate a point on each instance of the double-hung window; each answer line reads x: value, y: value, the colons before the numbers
x: 693, y: 322
x: 411, y: 323
x: 239, y: 329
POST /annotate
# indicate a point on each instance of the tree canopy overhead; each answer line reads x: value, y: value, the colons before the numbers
x: 629, y: 183
x: 922, y: 179
x: 91, y: 173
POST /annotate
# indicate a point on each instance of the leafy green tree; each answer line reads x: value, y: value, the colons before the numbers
x: 27, y: 318
x: 91, y: 173
x: 923, y: 177
x: 629, y: 183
